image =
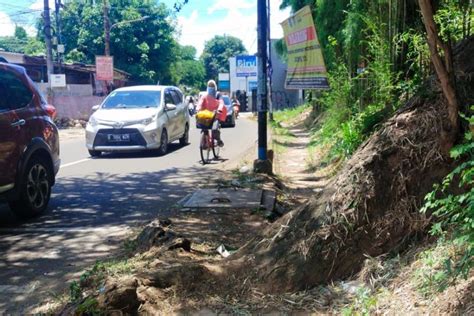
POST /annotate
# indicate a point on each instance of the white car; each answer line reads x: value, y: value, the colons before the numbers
x: 138, y: 118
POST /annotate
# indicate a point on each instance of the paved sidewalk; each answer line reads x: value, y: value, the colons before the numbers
x: 71, y: 133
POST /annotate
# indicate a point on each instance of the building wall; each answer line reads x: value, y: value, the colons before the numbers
x: 73, y: 90
x: 75, y: 108
x: 281, y: 97
x: 73, y: 102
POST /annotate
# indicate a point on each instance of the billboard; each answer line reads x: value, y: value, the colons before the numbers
x: 246, y: 66
x: 306, y: 68
x: 104, y: 68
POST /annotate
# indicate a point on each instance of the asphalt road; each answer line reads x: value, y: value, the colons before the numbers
x: 96, y: 204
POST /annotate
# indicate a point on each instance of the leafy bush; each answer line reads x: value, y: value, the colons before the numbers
x: 452, y: 203
x: 355, y: 105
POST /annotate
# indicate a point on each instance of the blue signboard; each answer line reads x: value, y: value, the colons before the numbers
x: 246, y: 66
x: 224, y: 85
x: 253, y: 85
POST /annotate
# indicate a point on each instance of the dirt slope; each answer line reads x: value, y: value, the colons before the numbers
x: 371, y: 207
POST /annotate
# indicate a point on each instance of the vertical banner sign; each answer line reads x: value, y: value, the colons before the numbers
x: 104, y: 68
x: 306, y: 68
x: 246, y: 66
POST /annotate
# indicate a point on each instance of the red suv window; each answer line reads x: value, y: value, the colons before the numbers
x: 15, y: 94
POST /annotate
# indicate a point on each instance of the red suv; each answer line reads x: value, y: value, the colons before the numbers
x: 29, y: 143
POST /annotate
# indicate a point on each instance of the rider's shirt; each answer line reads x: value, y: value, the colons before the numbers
x: 210, y: 103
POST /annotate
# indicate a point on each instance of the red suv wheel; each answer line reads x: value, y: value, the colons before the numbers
x: 35, y: 189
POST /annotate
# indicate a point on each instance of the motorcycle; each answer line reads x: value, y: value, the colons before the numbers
x: 236, y: 108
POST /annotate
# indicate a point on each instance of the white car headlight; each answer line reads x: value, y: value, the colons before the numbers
x: 148, y: 121
x: 93, y: 122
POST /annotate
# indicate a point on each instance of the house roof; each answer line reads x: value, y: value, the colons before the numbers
x: 24, y: 60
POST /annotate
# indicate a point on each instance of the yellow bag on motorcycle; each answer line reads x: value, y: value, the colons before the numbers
x: 204, y: 119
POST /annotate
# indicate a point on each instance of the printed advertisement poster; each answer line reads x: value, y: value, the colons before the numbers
x: 306, y: 67
x: 104, y: 67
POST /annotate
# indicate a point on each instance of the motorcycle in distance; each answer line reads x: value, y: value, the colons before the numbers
x: 236, y: 107
x: 191, y: 105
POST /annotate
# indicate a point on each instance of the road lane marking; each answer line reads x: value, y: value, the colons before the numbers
x: 74, y: 163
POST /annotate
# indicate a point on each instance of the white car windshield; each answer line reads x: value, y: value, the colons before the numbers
x: 132, y: 100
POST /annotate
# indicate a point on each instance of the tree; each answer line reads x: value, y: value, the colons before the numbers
x: 186, y: 70
x: 20, y: 33
x: 145, y: 49
x: 444, y: 70
x: 34, y: 47
x: 217, y: 52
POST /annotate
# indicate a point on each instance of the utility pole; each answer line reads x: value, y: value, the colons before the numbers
x: 49, y: 49
x: 262, y: 165
x: 58, y: 32
x: 106, y: 27
x: 270, y: 75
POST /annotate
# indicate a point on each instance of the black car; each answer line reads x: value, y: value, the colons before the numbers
x: 29, y: 143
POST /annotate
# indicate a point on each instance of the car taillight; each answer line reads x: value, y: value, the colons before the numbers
x: 50, y: 110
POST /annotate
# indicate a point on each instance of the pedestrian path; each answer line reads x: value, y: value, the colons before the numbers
x: 293, y: 163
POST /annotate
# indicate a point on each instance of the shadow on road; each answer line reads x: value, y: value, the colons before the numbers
x: 87, y: 219
x: 140, y: 154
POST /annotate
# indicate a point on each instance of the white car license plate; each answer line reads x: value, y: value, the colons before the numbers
x: 119, y: 137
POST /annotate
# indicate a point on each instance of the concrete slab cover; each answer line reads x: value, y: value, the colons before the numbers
x: 225, y: 198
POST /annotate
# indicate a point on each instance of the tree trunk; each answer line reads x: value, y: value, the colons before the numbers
x: 442, y: 70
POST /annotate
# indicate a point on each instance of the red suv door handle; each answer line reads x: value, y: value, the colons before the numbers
x: 18, y: 123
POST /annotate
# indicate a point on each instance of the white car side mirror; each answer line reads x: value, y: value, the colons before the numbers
x: 95, y: 108
x: 170, y: 107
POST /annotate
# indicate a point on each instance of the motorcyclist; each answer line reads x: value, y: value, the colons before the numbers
x: 191, y: 105
x: 236, y: 106
x: 210, y: 101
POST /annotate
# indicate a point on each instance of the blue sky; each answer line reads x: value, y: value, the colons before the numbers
x: 199, y: 20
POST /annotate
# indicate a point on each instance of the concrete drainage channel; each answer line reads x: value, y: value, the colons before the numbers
x: 229, y: 198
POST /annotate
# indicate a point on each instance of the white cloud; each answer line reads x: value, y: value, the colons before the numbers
x: 276, y: 17
x: 7, y: 27
x: 198, y: 28
x: 39, y: 5
x: 231, y: 5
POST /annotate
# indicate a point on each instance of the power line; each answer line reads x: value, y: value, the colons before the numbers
x: 31, y: 11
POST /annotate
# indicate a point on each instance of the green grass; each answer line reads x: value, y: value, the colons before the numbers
x: 364, y: 302
x: 282, y: 136
x: 95, y: 277
x: 437, y: 267
x: 287, y: 115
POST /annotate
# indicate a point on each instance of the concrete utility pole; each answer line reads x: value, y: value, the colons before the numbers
x: 269, y: 39
x: 262, y: 165
x: 58, y: 31
x: 106, y: 27
x: 47, y: 35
